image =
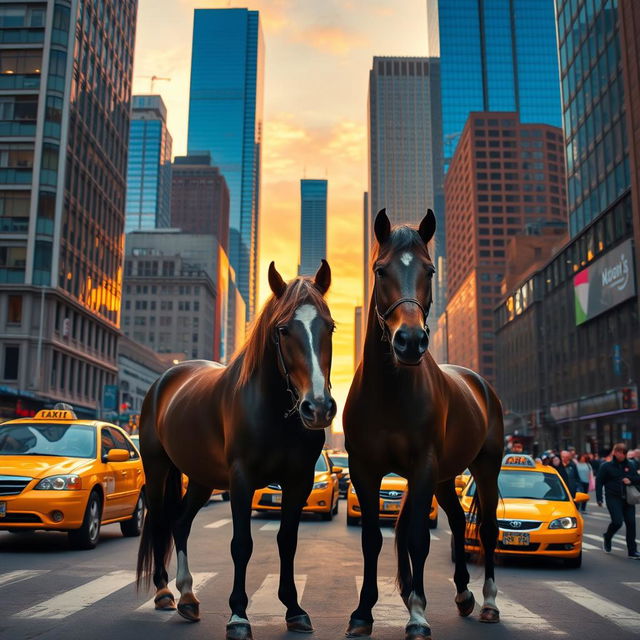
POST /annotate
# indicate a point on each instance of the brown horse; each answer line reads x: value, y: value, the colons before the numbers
x: 258, y: 421
x: 405, y: 414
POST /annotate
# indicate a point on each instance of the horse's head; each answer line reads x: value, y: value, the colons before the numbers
x: 402, y: 291
x: 302, y: 334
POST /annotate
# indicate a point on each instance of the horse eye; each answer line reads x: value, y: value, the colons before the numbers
x: 380, y: 272
x: 283, y: 330
x: 333, y: 327
x: 431, y: 271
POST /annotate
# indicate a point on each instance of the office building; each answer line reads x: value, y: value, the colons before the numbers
x: 148, y: 203
x: 225, y: 119
x: 313, y: 225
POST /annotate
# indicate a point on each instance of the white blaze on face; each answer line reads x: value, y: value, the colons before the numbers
x: 306, y: 314
x: 406, y: 258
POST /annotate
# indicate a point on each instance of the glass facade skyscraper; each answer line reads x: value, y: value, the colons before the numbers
x: 225, y: 119
x: 313, y: 225
x: 593, y: 108
x: 148, y: 204
x: 495, y: 55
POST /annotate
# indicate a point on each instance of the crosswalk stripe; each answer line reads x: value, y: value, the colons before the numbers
x: 614, y: 543
x: 590, y: 547
x: 387, y: 533
x: 626, y: 619
x: 199, y: 579
x: 633, y: 585
x: 264, y: 606
x: 75, y: 600
x: 512, y: 612
x: 447, y: 532
x: 18, y: 576
x: 218, y: 523
x: 389, y: 610
x: 273, y: 525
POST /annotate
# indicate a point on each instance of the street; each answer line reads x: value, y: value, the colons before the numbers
x: 48, y: 591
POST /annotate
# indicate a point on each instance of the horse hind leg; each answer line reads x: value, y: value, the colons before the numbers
x: 194, y: 499
x: 448, y: 500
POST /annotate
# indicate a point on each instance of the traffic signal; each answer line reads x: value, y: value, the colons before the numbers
x: 627, y: 398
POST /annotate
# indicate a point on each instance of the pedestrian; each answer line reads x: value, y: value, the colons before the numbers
x: 595, y: 462
x: 614, y: 477
x: 585, y: 477
x: 571, y: 472
x: 556, y: 463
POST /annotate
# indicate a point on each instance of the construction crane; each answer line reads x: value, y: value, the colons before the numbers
x: 152, y: 79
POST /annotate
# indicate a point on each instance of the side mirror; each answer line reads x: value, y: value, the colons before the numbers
x: 581, y: 497
x: 338, y: 471
x: 459, y: 491
x: 118, y: 455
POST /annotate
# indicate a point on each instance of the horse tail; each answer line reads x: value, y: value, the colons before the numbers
x: 403, y: 577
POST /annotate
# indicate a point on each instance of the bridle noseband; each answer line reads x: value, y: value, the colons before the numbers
x: 382, y: 317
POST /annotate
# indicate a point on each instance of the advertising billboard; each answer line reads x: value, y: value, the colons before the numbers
x: 607, y: 282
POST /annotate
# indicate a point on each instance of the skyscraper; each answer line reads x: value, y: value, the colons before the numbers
x: 405, y: 153
x: 149, y: 169
x: 313, y: 225
x: 225, y: 118
x: 597, y: 145
x: 66, y: 84
x: 497, y: 55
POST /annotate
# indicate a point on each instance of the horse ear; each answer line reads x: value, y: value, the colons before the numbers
x: 322, y: 278
x: 427, y: 227
x: 277, y: 284
x: 382, y: 227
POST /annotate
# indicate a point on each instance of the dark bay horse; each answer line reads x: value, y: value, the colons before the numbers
x: 258, y: 421
x: 405, y: 414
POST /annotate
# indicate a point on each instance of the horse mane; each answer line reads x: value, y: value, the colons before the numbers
x: 402, y: 238
x: 276, y: 311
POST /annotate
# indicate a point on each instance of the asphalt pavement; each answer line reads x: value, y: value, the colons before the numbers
x: 50, y: 592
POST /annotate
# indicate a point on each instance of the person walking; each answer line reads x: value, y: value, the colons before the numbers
x: 571, y: 472
x: 585, y: 477
x: 614, y: 476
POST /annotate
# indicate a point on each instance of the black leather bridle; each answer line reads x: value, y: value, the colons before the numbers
x: 383, y: 316
x: 293, y: 393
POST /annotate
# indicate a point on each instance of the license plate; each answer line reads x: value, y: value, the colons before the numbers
x: 391, y: 506
x: 516, y: 539
x: 276, y: 498
x: 3, y: 509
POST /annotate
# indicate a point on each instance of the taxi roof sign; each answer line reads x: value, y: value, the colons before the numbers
x: 55, y: 414
x: 518, y: 460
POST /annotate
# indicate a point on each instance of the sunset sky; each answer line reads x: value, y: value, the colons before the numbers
x: 318, y: 56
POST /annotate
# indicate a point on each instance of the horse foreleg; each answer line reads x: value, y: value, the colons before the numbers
x: 194, y: 499
x: 448, y: 500
x: 238, y: 627
x: 368, y: 490
x: 294, y: 495
x: 419, y: 497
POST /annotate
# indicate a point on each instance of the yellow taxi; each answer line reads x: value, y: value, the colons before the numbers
x: 65, y: 474
x: 462, y: 479
x: 536, y: 514
x: 324, y: 496
x: 392, y: 490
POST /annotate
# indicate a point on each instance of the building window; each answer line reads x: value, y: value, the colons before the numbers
x: 14, y: 310
x: 11, y: 361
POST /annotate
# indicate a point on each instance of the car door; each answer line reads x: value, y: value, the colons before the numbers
x: 111, y: 476
x: 126, y: 474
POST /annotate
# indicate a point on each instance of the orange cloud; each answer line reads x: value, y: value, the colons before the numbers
x: 330, y: 39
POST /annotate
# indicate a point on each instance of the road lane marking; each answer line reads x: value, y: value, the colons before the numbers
x: 590, y: 547
x: 265, y: 607
x: 18, y: 576
x: 633, y: 585
x: 389, y: 610
x: 387, y: 533
x: 619, y: 546
x: 218, y: 523
x: 75, y: 600
x: 513, y: 613
x: 624, y: 618
x: 434, y: 537
x: 274, y: 525
x: 199, y: 579
x: 447, y: 532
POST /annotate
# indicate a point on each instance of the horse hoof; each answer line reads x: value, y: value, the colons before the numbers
x: 417, y: 632
x: 299, y: 624
x: 465, y: 608
x: 489, y: 614
x: 239, y: 631
x: 359, y: 628
x: 190, y: 611
x: 164, y: 600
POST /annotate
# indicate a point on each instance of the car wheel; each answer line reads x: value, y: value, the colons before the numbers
x: 329, y: 515
x: 335, y: 509
x: 353, y: 521
x: 132, y: 528
x: 433, y: 524
x: 86, y: 537
x: 574, y: 563
x: 226, y: 497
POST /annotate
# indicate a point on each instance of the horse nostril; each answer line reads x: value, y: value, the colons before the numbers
x: 424, y: 342
x: 400, y: 340
x: 331, y: 411
x: 306, y: 410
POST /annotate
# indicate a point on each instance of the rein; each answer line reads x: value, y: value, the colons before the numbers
x: 285, y: 372
x: 382, y: 317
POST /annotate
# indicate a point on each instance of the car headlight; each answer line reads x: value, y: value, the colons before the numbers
x: 60, y: 483
x: 320, y: 485
x: 471, y: 518
x: 563, y: 523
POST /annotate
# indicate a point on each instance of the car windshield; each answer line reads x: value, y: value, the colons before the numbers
x: 531, y: 485
x: 392, y: 475
x: 42, y: 439
x: 321, y: 464
x: 340, y: 461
